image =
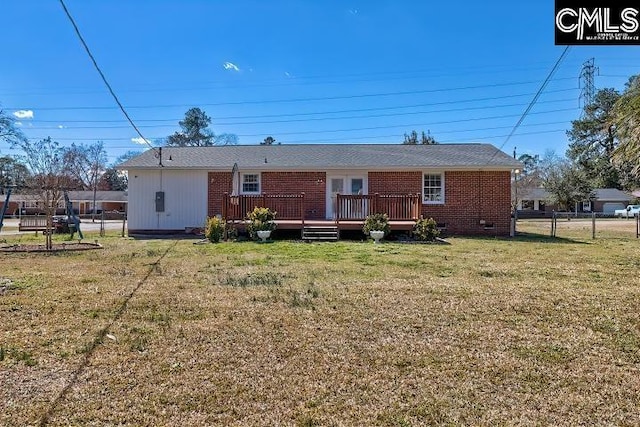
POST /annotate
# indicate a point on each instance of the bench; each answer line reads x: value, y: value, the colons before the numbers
x: 33, y: 223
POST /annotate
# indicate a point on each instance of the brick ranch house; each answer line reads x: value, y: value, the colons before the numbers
x: 466, y: 188
x: 82, y: 202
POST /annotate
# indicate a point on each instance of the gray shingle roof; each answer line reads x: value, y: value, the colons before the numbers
x: 327, y: 157
x: 612, y: 194
x: 601, y: 194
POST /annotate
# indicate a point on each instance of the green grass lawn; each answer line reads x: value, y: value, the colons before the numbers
x: 481, y: 331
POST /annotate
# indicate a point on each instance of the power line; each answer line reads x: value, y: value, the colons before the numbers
x: 535, y: 98
x: 409, y: 125
x: 104, y: 79
x: 338, y: 140
x: 423, y: 124
x: 291, y: 100
x: 353, y: 110
x: 319, y: 118
x: 299, y: 80
x: 396, y: 136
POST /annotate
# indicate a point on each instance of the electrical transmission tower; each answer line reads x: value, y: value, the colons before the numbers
x: 587, y: 84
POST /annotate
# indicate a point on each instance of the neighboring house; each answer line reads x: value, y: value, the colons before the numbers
x: 82, y: 202
x: 537, y: 202
x: 466, y: 188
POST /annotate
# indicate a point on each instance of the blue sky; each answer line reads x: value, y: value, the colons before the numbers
x: 300, y: 71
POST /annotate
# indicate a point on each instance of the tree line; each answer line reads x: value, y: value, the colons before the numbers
x: 603, y: 150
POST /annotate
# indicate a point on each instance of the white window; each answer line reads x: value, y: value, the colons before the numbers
x: 250, y: 183
x: 586, y: 206
x: 433, y: 188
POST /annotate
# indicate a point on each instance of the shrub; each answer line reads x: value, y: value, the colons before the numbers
x: 426, y: 230
x: 214, y: 229
x: 376, y: 222
x: 260, y: 219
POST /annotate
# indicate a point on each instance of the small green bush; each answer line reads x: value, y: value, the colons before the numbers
x: 426, y: 230
x: 376, y: 221
x: 214, y: 229
x: 260, y: 219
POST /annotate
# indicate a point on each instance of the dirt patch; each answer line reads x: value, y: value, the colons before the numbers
x: 57, y: 247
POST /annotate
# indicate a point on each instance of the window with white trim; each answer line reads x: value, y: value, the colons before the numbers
x: 250, y: 183
x: 433, y: 188
x: 586, y: 206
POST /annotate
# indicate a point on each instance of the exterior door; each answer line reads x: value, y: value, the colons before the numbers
x: 343, y: 184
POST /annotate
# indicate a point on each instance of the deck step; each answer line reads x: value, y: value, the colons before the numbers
x: 320, y: 233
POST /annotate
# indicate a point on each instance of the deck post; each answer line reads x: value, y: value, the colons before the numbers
x: 225, y: 200
x: 376, y: 203
x: 225, y: 197
x: 302, y: 208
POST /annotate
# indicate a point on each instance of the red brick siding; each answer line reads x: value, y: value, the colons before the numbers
x: 395, y: 182
x: 472, y: 197
x: 312, y: 184
x: 113, y: 206
x: 218, y: 184
x: 12, y: 208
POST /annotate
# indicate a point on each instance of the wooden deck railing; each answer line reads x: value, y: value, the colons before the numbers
x: 358, y: 206
x: 402, y: 207
x: 287, y: 206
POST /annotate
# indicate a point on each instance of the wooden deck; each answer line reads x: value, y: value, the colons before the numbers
x: 293, y: 224
x: 350, y: 211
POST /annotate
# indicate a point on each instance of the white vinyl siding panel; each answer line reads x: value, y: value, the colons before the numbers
x: 185, y: 199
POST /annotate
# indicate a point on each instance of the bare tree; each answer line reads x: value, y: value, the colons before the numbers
x: 425, y: 138
x: 527, y: 179
x: 86, y: 164
x: 49, y: 178
x: 8, y: 130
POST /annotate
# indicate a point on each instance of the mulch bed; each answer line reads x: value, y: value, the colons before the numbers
x: 57, y: 247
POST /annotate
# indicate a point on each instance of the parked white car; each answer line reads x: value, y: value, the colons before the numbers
x: 630, y: 211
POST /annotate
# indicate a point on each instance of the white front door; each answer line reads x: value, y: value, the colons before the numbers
x: 343, y: 184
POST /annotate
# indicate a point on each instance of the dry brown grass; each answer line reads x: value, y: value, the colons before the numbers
x: 480, y: 332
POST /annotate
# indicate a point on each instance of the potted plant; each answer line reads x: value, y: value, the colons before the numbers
x: 376, y: 226
x: 261, y: 223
